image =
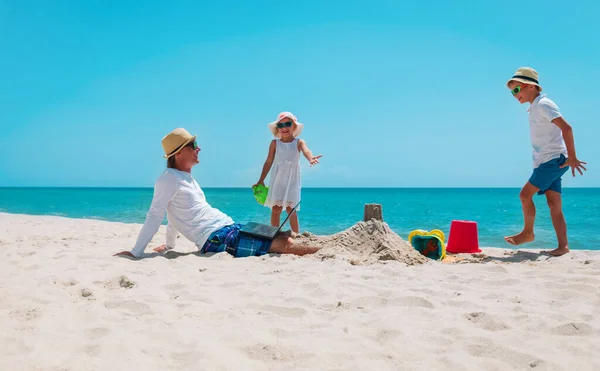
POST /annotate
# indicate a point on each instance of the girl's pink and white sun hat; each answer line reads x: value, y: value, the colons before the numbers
x: 297, y: 126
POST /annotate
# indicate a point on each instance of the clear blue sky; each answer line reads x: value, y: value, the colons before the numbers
x: 391, y: 93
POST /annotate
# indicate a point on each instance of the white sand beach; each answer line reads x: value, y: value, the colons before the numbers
x: 67, y: 304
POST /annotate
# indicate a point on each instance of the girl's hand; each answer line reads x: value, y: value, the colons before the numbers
x: 314, y: 160
x: 261, y: 183
x: 574, y: 163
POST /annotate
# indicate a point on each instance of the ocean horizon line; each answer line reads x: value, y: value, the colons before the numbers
x: 236, y: 188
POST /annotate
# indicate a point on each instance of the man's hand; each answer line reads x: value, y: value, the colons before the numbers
x: 574, y: 163
x: 126, y: 254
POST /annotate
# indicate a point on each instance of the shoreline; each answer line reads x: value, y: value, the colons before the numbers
x: 490, y: 248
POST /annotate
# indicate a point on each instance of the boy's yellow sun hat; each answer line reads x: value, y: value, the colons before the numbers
x: 526, y: 75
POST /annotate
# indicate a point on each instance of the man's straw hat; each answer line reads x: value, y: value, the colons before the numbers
x: 175, y: 141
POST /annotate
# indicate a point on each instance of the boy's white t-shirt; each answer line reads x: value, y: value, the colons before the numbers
x: 546, y: 138
x: 177, y: 193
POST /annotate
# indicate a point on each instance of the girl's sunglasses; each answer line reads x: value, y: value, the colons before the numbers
x: 516, y: 90
x: 287, y: 124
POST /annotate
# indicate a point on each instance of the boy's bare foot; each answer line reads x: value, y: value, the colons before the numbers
x: 520, y: 238
x: 558, y: 251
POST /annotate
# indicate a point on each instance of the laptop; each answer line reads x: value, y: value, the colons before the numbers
x: 265, y: 231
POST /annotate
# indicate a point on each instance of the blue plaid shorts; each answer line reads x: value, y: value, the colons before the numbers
x: 238, y: 244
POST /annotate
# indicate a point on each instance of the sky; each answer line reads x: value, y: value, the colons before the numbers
x: 391, y: 93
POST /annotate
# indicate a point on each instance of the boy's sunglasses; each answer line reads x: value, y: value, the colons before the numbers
x: 287, y: 124
x: 516, y: 90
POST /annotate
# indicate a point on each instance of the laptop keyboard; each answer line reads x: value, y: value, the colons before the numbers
x: 264, y: 229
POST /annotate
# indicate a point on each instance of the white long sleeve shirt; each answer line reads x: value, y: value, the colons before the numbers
x: 177, y: 193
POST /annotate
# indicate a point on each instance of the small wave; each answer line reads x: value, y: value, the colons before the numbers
x: 58, y: 214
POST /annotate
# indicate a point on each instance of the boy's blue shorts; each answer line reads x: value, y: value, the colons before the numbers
x: 238, y: 244
x: 548, y: 176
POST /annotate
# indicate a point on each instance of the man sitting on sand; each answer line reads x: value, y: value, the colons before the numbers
x: 177, y: 193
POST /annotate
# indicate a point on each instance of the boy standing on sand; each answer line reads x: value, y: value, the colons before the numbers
x: 553, y: 153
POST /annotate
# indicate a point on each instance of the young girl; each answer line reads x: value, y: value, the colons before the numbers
x: 284, y: 154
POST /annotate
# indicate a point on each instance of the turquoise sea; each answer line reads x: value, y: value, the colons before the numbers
x: 328, y: 210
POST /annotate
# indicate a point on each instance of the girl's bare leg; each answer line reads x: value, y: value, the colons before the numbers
x: 294, y: 224
x: 275, y: 215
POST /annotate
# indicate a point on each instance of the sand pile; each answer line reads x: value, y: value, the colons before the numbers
x: 364, y: 243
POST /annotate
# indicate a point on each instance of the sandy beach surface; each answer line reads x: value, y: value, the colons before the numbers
x: 365, y: 302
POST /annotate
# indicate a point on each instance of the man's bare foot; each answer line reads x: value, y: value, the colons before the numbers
x: 558, y: 251
x: 520, y: 238
x: 289, y: 233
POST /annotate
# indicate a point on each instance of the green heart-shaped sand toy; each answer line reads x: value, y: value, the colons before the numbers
x: 260, y: 193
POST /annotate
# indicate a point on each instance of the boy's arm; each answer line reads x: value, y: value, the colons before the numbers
x: 268, y: 163
x: 567, y: 133
x: 308, y: 153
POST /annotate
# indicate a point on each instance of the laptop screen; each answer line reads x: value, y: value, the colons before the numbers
x: 290, y: 214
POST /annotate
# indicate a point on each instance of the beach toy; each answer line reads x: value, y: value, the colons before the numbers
x: 260, y: 193
x: 429, y: 244
x: 463, y: 238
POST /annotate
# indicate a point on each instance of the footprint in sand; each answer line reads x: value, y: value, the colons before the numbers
x: 116, y: 283
x: 387, y: 336
x: 70, y: 282
x: 268, y: 352
x: 405, y: 302
x: 132, y: 306
x: 97, y: 332
x: 504, y: 282
x: 411, y: 302
x: 300, y: 301
x: 516, y: 360
x: 574, y: 329
x: 86, y: 293
x: 174, y: 287
x: 319, y: 293
x: 582, y: 288
x: 453, y: 332
x: 92, y: 349
x: 26, y: 254
x: 486, y: 321
x: 425, y: 291
x: 187, y: 360
x: 25, y: 315
x: 289, y: 312
x: 282, y: 333
x: 458, y: 304
x: 496, y: 269
x: 33, y: 267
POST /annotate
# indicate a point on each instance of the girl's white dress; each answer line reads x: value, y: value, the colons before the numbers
x: 284, y: 186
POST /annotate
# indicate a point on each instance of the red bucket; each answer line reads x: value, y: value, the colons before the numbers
x: 463, y: 238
